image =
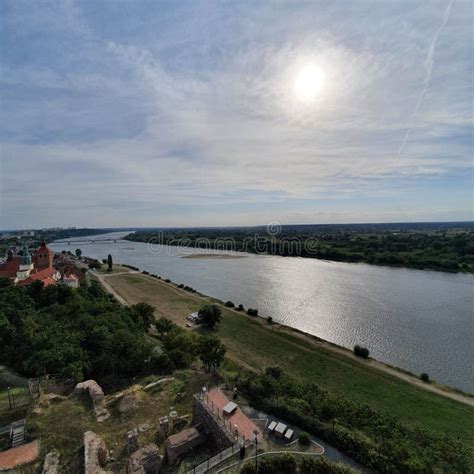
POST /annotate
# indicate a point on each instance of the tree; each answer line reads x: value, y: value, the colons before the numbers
x: 143, y: 314
x: 78, y: 253
x: 110, y: 262
x: 425, y: 377
x: 211, y: 351
x: 210, y: 315
x: 304, y: 439
x: 163, y: 325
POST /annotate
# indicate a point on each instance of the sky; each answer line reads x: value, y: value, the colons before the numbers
x: 160, y: 113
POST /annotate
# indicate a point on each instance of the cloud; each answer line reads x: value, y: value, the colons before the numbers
x: 429, y: 62
x: 189, y: 111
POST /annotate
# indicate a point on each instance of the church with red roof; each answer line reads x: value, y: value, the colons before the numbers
x: 24, y: 268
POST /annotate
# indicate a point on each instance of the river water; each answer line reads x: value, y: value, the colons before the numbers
x: 422, y: 321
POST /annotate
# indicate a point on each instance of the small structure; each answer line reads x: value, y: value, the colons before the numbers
x: 145, y: 460
x: 229, y: 408
x: 288, y: 434
x: 272, y: 426
x: 280, y: 429
x: 180, y: 443
x: 17, y: 433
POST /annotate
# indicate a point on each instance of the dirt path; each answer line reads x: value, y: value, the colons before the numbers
x: 372, y: 363
x: 103, y: 281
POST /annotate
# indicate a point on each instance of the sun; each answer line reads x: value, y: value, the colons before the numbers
x: 309, y: 83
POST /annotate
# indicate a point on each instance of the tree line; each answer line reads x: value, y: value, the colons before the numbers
x: 374, y: 439
x: 446, y: 249
x: 86, y: 333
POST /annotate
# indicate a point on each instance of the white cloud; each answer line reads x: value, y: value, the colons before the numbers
x: 138, y: 128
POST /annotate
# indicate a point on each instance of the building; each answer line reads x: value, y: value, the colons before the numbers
x: 24, y: 269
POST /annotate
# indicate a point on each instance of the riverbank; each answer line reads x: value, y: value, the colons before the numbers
x: 397, y: 245
x: 254, y: 344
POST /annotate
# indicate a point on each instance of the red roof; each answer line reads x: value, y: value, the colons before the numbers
x: 238, y: 419
x: 10, y: 268
x: 46, y: 276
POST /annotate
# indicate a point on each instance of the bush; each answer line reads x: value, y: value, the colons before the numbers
x: 425, y: 377
x: 252, y: 312
x: 270, y: 320
x: 322, y: 465
x: 180, y: 285
x: 168, y: 280
x: 275, y: 372
x: 240, y: 307
x: 95, y: 264
x: 229, y: 304
x: 304, y: 439
x: 360, y: 351
x: 282, y: 464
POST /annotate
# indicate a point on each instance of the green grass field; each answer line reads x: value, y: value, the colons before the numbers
x: 256, y: 345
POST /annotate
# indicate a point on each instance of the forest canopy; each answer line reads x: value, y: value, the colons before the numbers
x: 71, y: 333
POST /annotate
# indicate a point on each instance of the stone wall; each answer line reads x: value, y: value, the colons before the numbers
x: 211, y: 425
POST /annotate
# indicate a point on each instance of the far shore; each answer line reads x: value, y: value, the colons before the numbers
x: 222, y: 256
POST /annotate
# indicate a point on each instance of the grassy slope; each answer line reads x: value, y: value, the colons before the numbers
x: 257, y: 345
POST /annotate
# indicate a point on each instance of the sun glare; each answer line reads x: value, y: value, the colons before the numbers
x: 309, y: 83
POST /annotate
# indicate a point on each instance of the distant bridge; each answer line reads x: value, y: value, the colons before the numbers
x: 87, y: 241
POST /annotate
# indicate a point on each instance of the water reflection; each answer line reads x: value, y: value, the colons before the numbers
x: 422, y: 321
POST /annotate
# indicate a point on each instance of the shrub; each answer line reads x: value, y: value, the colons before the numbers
x: 269, y: 320
x: 168, y: 280
x: 360, y: 351
x: 282, y: 464
x: 248, y: 468
x: 425, y: 377
x: 304, y: 439
x: 275, y: 372
x: 240, y: 307
x: 252, y: 312
x: 229, y: 304
x: 322, y: 465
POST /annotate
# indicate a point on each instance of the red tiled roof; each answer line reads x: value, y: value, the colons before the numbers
x: 239, y: 420
x: 46, y: 276
x: 10, y: 268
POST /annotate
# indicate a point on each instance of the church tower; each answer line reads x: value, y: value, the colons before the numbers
x: 43, y: 257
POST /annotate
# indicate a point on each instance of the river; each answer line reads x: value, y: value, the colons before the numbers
x: 421, y: 321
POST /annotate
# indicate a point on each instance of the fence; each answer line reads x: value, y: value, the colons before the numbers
x: 14, y: 398
x: 215, y: 460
